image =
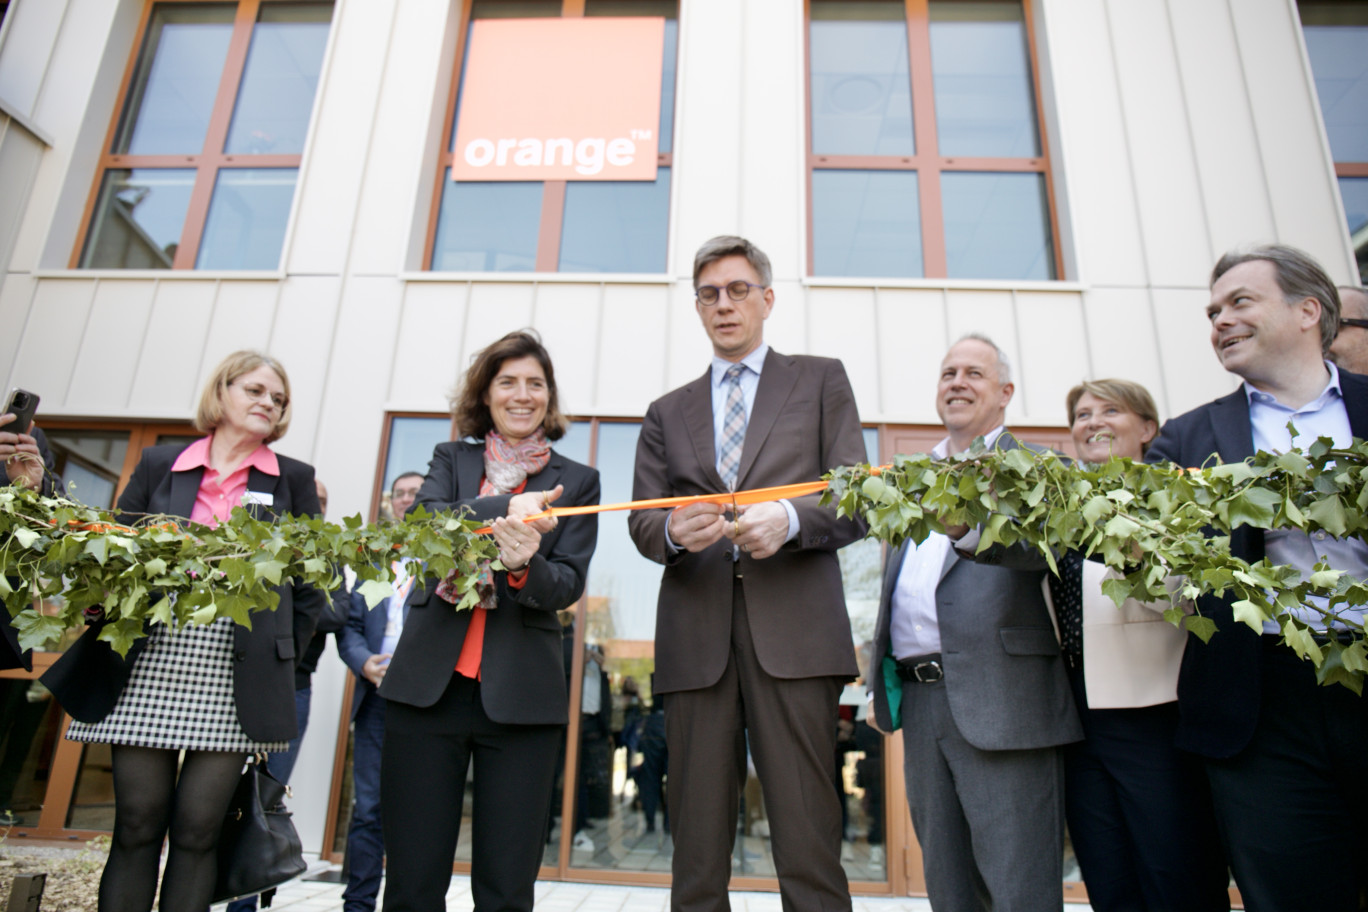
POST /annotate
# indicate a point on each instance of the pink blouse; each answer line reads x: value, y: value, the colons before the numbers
x: 217, y: 496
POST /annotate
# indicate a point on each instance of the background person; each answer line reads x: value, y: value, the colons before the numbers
x: 241, y: 681
x: 1139, y: 810
x: 36, y: 472
x: 366, y: 645
x: 505, y: 704
x: 1350, y: 348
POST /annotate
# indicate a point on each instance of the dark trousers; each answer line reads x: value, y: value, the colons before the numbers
x: 792, y: 731
x: 1139, y: 813
x: 365, y: 836
x: 422, y: 788
x: 1292, y: 806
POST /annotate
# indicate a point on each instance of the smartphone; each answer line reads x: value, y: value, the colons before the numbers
x: 23, y: 405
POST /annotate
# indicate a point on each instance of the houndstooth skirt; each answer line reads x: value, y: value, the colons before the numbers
x: 179, y: 696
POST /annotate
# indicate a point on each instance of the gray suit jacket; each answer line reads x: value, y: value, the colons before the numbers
x: 803, y: 423
x: 1004, y: 676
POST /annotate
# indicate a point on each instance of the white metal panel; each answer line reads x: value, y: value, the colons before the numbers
x: 1123, y: 339
x: 581, y: 340
x: 773, y: 130
x: 400, y: 132
x: 1169, y: 199
x: 16, y: 296
x: 688, y: 351
x: 20, y: 154
x: 349, y: 424
x: 631, y: 338
x: 495, y: 309
x: 111, y: 348
x: 712, y: 45
x: 843, y: 324
x: 1191, y: 371
x: 48, y: 350
x: 30, y: 38
x: 1302, y: 184
x: 331, y: 176
x: 1234, y: 188
x: 910, y: 340
x: 164, y: 384
x: 1093, y: 145
x: 1054, y: 357
x: 433, y: 319
x: 242, y: 318
x: 786, y: 330
x: 301, y: 339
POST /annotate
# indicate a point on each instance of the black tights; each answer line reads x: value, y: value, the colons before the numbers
x: 149, y: 797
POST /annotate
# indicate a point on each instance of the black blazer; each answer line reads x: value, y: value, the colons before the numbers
x: 522, y: 673
x: 88, y: 679
x: 1219, y: 690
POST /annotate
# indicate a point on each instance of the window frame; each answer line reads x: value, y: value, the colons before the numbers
x: 210, y: 160
x: 927, y: 162
x: 553, y: 191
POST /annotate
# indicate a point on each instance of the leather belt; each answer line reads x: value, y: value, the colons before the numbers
x: 925, y: 669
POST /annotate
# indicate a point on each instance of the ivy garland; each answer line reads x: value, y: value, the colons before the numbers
x: 79, y: 562
x: 1148, y: 522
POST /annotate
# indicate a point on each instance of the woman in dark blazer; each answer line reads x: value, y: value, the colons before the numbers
x: 220, y: 691
x: 488, y: 684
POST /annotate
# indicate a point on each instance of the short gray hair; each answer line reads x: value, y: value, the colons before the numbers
x: 725, y: 245
x: 1299, y: 276
x: 1004, y: 367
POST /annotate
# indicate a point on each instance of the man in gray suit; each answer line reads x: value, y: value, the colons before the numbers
x: 978, y: 687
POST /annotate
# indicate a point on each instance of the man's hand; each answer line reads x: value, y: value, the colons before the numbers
x: 530, y: 503
x: 28, y: 467
x: 760, y: 529
x: 871, y: 717
x: 697, y: 526
x: 374, y: 669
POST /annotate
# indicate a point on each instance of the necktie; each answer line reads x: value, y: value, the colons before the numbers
x: 733, y: 427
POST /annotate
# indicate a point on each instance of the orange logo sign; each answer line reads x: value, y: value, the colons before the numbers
x: 560, y: 99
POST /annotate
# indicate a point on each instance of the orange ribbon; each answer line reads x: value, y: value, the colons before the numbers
x: 727, y: 498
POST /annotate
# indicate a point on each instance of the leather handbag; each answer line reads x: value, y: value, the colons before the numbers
x: 258, y: 846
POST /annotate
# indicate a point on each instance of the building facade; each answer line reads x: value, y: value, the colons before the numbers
x: 182, y: 179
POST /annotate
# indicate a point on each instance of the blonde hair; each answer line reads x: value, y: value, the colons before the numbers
x: 209, y: 415
x: 1128, y: 394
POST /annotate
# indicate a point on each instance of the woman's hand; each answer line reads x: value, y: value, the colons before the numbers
x: 530, y: 503
x: 20, y: 455
x: 517, y: 541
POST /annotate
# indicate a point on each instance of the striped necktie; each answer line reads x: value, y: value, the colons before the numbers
x: 733, y: 427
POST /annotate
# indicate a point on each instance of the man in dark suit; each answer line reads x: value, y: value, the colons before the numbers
x: 979, y: 687
x: 366, y: 644
x: 752, y: 637
x: 1287, y: 759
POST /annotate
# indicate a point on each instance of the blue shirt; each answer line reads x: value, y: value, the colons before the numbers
x: 1324, y: 416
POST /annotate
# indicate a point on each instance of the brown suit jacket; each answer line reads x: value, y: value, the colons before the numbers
x: 804, y: 422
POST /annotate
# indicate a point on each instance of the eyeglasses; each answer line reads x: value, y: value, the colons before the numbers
x: 1351, y: 321
x: 261, y: 394
x: 708, y: 295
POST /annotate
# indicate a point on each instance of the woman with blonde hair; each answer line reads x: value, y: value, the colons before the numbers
x: 218, y: 692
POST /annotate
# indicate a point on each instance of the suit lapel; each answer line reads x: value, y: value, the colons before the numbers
x: 269, y: 486
x: 469, y: 471
x: 776, y: 383
x: 1230, y: 425
x: 698, y: 419
x: 1355, y: 391
x: 184, y: 489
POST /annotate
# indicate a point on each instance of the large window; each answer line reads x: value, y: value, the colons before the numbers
x: 200, y: 167
x: 558, y: 225
x: 926, y: 153
x: 1337, y: 43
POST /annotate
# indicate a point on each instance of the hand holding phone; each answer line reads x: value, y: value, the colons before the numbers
x: 18, y: 450
x: 23, y: 405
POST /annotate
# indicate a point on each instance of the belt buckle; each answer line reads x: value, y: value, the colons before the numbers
x: 928, y: 672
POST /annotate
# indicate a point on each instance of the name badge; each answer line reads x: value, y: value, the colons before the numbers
x: 264, y: 498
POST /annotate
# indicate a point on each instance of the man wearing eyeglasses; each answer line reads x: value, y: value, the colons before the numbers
x: 753, y: 642
x: 1350, y: 348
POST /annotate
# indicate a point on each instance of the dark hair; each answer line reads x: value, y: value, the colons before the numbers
x: 1299, y: 276
x: 468, y: 407
x: 402, y: 475
x: 725, y: 245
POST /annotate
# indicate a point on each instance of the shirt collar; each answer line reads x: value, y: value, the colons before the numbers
x: 196, y: 456
x: 755, y: 361
x: 942, y: 449
x: 1254, y: 396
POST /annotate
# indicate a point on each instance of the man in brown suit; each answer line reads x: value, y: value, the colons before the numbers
x: 753, y: 641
